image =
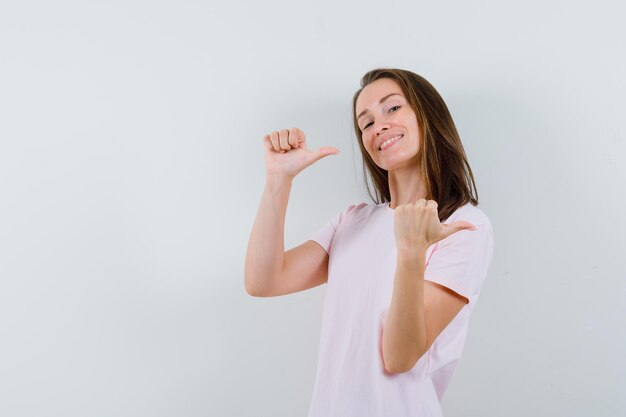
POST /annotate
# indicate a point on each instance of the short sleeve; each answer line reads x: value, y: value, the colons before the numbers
x: 324, y: 236
x: 461, y: 261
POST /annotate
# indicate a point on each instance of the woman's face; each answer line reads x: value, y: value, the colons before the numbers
x: 379, y: 121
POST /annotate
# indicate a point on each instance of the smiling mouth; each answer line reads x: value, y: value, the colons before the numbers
x: 387, y: 145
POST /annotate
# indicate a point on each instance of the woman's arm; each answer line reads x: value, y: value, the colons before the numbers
x: 418, y: 313
x: 266, y: 247
x: 286, y: 154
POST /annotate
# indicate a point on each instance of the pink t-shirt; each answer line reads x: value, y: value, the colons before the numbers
x: 351, y: 380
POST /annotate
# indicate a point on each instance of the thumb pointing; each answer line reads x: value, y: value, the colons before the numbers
x: 325, y: 151
x: 452, y: 228
x: 463, y: 225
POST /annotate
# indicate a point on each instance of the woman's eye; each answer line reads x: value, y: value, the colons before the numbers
x: 366, y: 126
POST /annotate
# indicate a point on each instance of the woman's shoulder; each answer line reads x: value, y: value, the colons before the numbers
x: 352, y: 211
x: 354, y: 208
x: 359, y: 211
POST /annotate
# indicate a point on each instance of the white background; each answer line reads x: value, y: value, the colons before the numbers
x: 131, y: 169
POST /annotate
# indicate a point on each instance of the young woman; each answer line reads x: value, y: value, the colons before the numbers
x: 403, y: 274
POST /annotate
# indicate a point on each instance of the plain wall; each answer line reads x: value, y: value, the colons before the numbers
x: 132, y: 166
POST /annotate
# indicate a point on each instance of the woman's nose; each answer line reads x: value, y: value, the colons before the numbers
x: 381, y: 127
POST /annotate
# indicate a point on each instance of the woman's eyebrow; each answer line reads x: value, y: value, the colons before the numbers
x: 380, y: 102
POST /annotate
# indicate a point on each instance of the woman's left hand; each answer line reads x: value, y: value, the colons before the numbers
x: 417, y: 225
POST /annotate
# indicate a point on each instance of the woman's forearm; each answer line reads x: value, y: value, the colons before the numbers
x: 265, y: 253
x: 404, y: 330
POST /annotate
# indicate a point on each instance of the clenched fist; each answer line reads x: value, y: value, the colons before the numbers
x: 286, y: 152
x: 417, y: 225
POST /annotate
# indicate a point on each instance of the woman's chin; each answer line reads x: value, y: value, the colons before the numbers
x: 398, y: 165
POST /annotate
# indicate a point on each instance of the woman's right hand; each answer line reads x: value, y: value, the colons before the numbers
x: 286, y: 152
